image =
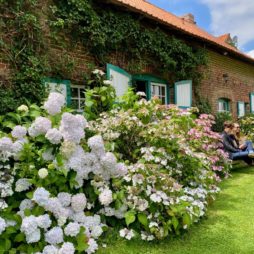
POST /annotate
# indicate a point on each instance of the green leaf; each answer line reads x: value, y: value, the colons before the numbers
x: 16, y: 117
x: 143, y: 219
x: 30, y: 194
x: 89, y: 104
x: 175, y: 222
x: 7, y: 244
x: 130, y: 217
x: 20, y: 238
x: 81, y: 240
x: 186, y: 219
x: 9, y: 124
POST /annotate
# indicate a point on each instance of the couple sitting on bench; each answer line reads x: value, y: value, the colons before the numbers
x: 237, y: 149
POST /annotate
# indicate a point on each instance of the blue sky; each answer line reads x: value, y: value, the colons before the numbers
x: 218, y: 17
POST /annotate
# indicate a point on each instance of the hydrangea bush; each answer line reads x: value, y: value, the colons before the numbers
x: 47, y: 200
x: 174, y: 164
x: 61, y: 186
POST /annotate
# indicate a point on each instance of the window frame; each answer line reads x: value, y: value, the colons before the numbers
x: 79, y: 87
x: 159, y: 96
x: 227, y: 104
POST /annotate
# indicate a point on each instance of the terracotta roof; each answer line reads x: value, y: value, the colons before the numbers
x: 178, y: 23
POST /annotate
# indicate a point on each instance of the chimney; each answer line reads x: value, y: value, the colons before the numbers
x: 189, y: 18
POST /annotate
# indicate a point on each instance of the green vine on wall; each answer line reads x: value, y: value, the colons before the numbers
x: 22, y: 48
x: 102, y: 31
x: 106, y: 30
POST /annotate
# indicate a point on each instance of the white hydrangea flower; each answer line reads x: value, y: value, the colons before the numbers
x: 2, y: 225
x: 29, y: 225
x: 48, y: 155
x: 126, y: 233
x: 67, y: 248
x: 97, y: 71
x: 26, y: 204
x: 93, y: 246
x: 109, y: 162
x: 34, y: 236
x: 72, y: 229
x: 54, y: 103
x: 54, y: 136
x: 50, y: 249
x: 18, y: 146
x: 43, y: 173
x: 78, y: 202
x: 5, y: 144
x: 54, y: 236
x: 43, y: 221
x: 68, y: 148
x: 96, y: 231
x: 41, y: 196
x: 72, y: 127
x: 107, y: 82
x: 22, y: 184
x: 97, y: 145
x: 156, y: 198
x: 121, y: 169
x: 106, y: 197
x: 23, y: 108
x: 40, y: 126
x: 18, y: 132
x: 64, y: 198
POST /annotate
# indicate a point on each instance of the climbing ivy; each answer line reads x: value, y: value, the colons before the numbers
x: 22, y: 48
x: 105, y: 31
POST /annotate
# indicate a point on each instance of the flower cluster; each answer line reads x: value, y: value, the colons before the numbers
x: 54, y: 103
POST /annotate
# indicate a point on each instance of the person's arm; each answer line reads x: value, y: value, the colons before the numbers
x: 227, y: 145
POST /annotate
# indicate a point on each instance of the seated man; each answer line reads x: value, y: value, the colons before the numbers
x: 231, y: 147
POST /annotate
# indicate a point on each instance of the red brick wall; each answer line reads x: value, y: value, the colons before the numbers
x: 238, y: 87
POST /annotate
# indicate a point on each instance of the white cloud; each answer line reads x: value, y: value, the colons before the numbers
x: 232, y: 16
x: 251, y: 53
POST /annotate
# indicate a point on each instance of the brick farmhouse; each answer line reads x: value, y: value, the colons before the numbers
x: 228, y: 81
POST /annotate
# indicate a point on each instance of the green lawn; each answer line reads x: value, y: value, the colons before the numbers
x: 228, y: 228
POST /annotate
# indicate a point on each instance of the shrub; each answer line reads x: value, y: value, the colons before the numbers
x: 60, y: 189
x: 247, y: 126
x: 101, y: 97
x: 174, y: 163
x: 220, y: 118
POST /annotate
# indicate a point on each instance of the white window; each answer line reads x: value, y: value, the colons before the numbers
x: 78, y: 97
x: 183, y: 93
x: 160, y: 91
x: 223, y: 105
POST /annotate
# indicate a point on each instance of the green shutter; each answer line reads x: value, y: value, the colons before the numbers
x: 62, y: 86
x: 251, y: 102
x: 240, y: 108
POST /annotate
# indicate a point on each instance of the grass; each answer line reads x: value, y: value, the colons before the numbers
x: 227, y: 229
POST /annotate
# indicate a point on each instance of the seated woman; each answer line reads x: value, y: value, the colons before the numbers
x: 244, y: 153
x: 240, y: 140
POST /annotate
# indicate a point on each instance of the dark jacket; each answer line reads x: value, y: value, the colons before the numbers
x: 228, y: 143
